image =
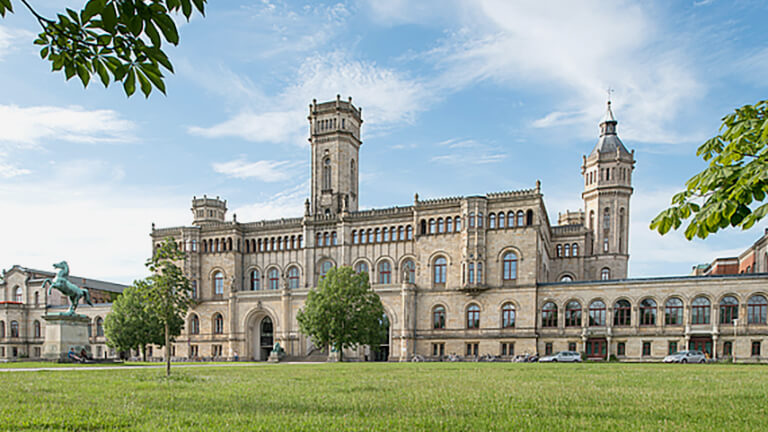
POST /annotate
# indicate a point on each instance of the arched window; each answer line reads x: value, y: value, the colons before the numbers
x: 575, y: 249
x: 729, y: 310
x: 361, y: 267
x: 440, y: 226
x: 647, y: 312
x: 17, y: 296
x: 700, y: 310
x: 673, y: 312
x: 573, y: 314
x: 370, y: 235
x: 549, y: 315
x: 39, y: 333
x: 385, y: 233
x: 559, y: 251
x: 326, y: 239
x: 458, y: 223
x: 756, y: 309
x: 566, y: 278
x: 606, y: 219
x: 194, y: 325
x: 218, y: 283
x: 449, y: 225
x: 14, y: 329
x: 293, y: 277
x: 99, y: 326
x: 440, y: 269
x: 255, y: 280
x: 508, y: 315
x: 352, y: 170
x: 2, y: 329
x: 472, y: 219
x: 621, y: 229
x: 334, y: 240
x: 471, y: 273
x: 274, y: 278
x: 529, y: 217
x: 597, y: 314
x: 385, y: 272
x: 432, y: 225
x: 409, y: 232
x: 327, y: 174
x: 473, y: 316
x: 622, y: 312
x: 501, y: 219
x: 492, y: 221
x: 509, y: 266
x: 354, y: 237
x: 567, y: 250
x: 479, y: 272
x: 480, y: 220
x: 438, y: 317
x: 218, y: 324
x: 605, y: 273
x: 520, y: 218
x: 410, y: 271
x: 592, y: 220
x: 37, y: 298
x: 510, y: 219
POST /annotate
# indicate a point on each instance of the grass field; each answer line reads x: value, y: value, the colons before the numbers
x: 412, y: 396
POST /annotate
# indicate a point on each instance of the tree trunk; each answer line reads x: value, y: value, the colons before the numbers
x: 341, y: 354
x: 167, y: 349
x: 143, y: 349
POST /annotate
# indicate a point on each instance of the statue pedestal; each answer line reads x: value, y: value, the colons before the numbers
x: 65, y: 332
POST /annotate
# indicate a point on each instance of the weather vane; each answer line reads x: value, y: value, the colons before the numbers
x: 609, y: 90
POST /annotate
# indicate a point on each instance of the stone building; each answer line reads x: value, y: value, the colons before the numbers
x: 466, y: 275
x: 23, y: 303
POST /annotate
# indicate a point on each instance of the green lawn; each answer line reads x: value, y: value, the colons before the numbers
x: 412, y: 396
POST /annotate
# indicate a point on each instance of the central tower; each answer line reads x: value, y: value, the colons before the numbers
x: 334, y: 129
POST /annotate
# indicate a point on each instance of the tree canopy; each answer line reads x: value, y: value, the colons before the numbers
x: 117, y: 40
x: 130, y: 325
x: 343, y: 312
x: 168, y: 295
x: 728, y: 191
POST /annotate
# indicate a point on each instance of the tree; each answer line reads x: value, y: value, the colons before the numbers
x: 343, y: 312
x: 118, y: 40
x: 726, y: 192
x: 130, y: 325
x: 168, y: 295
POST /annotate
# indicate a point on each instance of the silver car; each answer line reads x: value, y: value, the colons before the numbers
x: 686, y: 357
x: 562, y: 356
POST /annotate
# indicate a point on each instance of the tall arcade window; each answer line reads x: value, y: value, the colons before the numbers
x: 255, y: 280
x: 509, y: 266
x: 756, y: 309
x: 700, y: 310
x: 410, y: 271
x: 510, y: 219
x: 432, y: 226
x: 449, y: 225
x: 2, y: 329
x: 479, y: 272
x: 729, y: 310
x: 327, y: 174
x: 508, y: 315
x: 492, y: 221
x: 647, y: 312
x: 325, y: 267
x: 573, y: 314
x: 607, y: 219
x: 501, y: 220
x: 597, y: 314
x: 673, y: 312
x: 438, y: 317
x: 18, y: 294
x: 471, y: 273
x: 440, y: 269
x: 274, y: 278
x: 605, y: 274
x: 480, y: 220
x: 458, y: 223
x: 409, y: 232
x: 293, y: 277
x: 39, y: 333
x: 194, y: 325
x: 473, y: 316
x: 472, y: 220
x: 361, y: 267
x: 218, y: 283
x: 520, y: 218
x: 575, y: 249
x: 14, y: 329
x: 440, y: 226
x: 385, y: 272
x: 99, y: 327
x: 218, y: 324
x: 622, y: 313
x: 549, y: 315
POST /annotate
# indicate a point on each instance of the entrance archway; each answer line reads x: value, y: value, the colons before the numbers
x: 266, y: 338
x: 380, y: 353
x: 260, y: 335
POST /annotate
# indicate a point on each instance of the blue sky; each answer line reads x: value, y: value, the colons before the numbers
x: 458, y: 97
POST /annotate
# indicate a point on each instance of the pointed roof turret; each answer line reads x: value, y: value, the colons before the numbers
x: 609, y: 142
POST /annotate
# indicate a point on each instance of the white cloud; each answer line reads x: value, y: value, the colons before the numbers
x: 386, y: 95
x: 30, y: 126
x: 9, y: 170
x: 265, y: 170
x: 9, y: 36
x: 289, y: 203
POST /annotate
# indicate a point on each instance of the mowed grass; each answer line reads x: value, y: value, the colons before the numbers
x: 410, y: 396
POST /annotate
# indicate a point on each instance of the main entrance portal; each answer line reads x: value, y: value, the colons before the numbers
x: 381, y: 352
x: 266, y: 338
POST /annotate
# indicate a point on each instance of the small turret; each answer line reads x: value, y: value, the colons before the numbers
x: 207, y: 210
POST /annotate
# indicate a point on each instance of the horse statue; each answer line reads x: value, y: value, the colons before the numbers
x: 62, y: 283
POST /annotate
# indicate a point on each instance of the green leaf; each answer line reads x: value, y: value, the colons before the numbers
x: 146, y: 86
x: 44, y: 52
x: 109, y: 18
x: 168, y: 27
x: 84, y: 74
x: 91, y: 9
x: 129, y: 85
x: 102, y: 71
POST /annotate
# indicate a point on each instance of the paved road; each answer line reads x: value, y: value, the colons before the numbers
x: 158, y: 366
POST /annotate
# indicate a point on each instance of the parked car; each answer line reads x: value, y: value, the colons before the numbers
x: 686, y: 357
x: 562, y: 356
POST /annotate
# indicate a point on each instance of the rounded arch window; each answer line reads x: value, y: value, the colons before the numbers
x: 508, y: 315
x: 15, y: 329
x: 701, y: 308
x: 325, y: 267
x: 673, y: 312
x: 440, y: 266
x: 218, y: 324
x: 573, y: 314
x: 438, y: 317
x: 385, y: 272
x: 566, y: 278
x: 622, y: 313
x: 756, y: 309
x: 274, y: 278
x: 597, y: 313
x: 293, y: 277
x: 549, y: 315
x: 729, y: 310
x: 38, y: 331
x: 409, y: 271
x: 327, y: 173
x: 473, y: 316
x: 255, y: 280
x: 605, y: 273
x: 647, y: 312
x: 218, y: 283
x: 492, y: 221
x: 509, y: 266
x: 194, y: 325
x: 361, y: 267
x: 99, y: 326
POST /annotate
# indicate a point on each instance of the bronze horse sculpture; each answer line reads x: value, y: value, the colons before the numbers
x: 61, y: 282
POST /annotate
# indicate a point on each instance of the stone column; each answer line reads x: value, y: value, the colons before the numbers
x: 408, y: 321
x: 285, y: 331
